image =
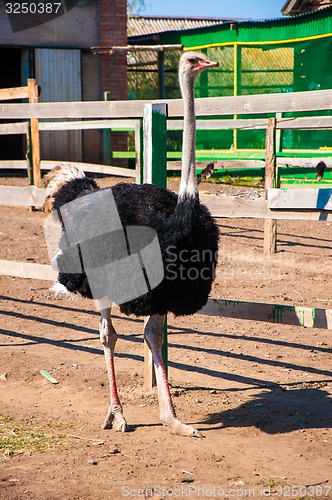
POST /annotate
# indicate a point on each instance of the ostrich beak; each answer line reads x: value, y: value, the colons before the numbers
x: 208, y: 64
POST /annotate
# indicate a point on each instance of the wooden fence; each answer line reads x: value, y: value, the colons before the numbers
x: 115, y: 125
x: 28, y: 128
x: 309, y: 204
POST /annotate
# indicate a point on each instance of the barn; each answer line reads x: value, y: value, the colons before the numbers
x: 288, y: 54
x: 55, y: 49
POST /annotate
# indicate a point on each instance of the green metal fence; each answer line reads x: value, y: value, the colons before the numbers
x: 256, y: 57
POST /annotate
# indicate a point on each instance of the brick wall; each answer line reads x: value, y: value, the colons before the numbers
x: 113, y: 31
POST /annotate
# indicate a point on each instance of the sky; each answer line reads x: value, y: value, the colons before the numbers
x: 255, y: 9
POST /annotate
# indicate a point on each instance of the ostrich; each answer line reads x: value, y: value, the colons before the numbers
x: 188, y: 238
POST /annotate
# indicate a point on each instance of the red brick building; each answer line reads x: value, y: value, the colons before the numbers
x: 57, y: 52
x: 113, y: 31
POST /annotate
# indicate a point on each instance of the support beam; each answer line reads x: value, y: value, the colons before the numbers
x: 154, y: 172
x: 309, y: 317
x: 270, y: 225
x: 35, y: 140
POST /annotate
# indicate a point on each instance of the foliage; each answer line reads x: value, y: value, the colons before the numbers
x: 135, y: 6
x: 18, y: 437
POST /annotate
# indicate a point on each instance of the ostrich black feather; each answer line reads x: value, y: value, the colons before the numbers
x: 188, y: 238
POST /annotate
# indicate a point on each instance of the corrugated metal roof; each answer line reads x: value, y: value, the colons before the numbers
x: 318, y: 23
x: 147, y: 25
x: 294, y: 7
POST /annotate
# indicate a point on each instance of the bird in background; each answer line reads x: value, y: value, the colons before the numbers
x: 320, y: 169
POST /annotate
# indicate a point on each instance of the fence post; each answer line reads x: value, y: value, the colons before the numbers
x: 270, y: 225
x: 35, y: 139
x: 139, y: 152
x: 154, y: 172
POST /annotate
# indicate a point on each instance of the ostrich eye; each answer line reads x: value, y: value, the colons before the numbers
x: 192, y: 60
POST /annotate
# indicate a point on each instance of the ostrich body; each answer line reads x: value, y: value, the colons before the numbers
x: 188, y: 239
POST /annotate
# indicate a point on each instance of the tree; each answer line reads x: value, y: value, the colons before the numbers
x: 135, y: 6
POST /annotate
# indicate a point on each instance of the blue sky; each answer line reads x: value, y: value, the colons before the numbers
x: 255, y: 9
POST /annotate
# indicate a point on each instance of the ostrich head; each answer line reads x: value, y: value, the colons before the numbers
x: 191, y: 65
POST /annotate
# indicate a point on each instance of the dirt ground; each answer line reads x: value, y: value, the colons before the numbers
x: 259, y: 392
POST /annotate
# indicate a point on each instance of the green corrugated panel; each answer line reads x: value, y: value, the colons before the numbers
x: 260, y: 57
x: 307, y: 25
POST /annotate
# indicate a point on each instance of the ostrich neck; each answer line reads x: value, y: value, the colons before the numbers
x: 188, y: 185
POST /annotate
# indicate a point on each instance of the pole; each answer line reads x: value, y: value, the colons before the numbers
x: 270, y: 225
x: 155, y: 172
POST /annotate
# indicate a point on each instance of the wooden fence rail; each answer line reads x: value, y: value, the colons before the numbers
x: 316, y: 100
x: 251, y: 205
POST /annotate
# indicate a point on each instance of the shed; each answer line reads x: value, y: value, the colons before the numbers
x: 295, y: 7
x: 55, y: 49
x: 256, y: 57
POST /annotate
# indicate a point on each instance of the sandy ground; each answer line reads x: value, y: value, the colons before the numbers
x: 259, y: 392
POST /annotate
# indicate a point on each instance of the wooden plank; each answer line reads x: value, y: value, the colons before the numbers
x: 270, y: 237
x: 270, y: 145
x: 171, y: 165
x: 14, y: 93
x: 13, y: 128
x: 86, y: 167
x: 136, y: 48
x: 310, y: 123
x: 154, y: 172
x: 303, y: 198
x: 35, y: 139
x: 261, y: 103
x: 117, y: 125
x: 27, y: 270
x: 270, y: 225
x: 106, y: 169
x: 302, y: 162
x: 13, y: 164
x: 254, y: 154
x: 218, y: 164
x: 291, y: 159
x: 207, y: 106
x: 309, y: 317
x: 80, y: 109
x: 249, y: 124
x: 314, y: 123
x: 236, y: 163
x: 234, y: 207
x: 92, y: 167
x: 14, y: 196
x: 155, y: 147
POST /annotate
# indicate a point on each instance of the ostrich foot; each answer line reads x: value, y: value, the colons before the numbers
x: 115, y: 420
x: 181, y: 429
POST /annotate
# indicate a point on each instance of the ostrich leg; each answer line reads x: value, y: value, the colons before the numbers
x: 108, y: 338
x: 153, y: 334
